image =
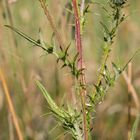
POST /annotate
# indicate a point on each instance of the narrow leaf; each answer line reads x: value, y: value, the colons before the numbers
x: 46, y: 95
x: 135, y: 127
x: 24, y: 35
x: 131, y: 59
x: 60, y: 113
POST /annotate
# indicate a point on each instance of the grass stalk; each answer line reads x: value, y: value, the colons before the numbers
x: 11, y: 128
x: 129, y: 100
x: 48, y: 15
x: 10, y: 18
x: 11, y: 106
x: 132, y: 90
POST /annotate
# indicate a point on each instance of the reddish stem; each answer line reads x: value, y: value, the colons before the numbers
x: 80, y: 63
x: 78, y: 34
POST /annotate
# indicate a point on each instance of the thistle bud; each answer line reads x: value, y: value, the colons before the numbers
x: 118, y: 2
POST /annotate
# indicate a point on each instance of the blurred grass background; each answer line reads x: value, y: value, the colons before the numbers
x: 22, y: 63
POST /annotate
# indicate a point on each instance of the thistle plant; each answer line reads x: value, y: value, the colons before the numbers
x: 77, y: 120
x: 116, y: 17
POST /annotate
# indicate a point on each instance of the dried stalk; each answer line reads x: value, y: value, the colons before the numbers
x: 11, y: 107
x: 47, y: 13
x: 11, y: 128
x: 9, y: 14
x: 129, y: 100
x: 132, y: 90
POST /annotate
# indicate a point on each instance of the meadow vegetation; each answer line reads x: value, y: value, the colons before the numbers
x: 69, y: 69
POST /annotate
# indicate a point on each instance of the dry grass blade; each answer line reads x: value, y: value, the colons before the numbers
x: 11, y: 107
x: 129, y: 100
x: 47, y: 13
x: 132, y: 90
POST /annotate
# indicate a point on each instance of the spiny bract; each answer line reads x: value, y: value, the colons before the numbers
x: 118, y: 2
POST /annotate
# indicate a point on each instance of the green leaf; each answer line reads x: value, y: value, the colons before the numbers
x: 105, y: 28
x: 38, y: 43
x: 66, y: 118
x: 66, y: 51
x: 60, y: 113
x: 24, y: 35
x: 131, y: 59
x: 47, y: 96
x: 135, y: 127
x: 75, y: 57
x: 117, y: 70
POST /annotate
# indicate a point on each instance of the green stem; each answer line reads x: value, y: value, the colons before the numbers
x: 104, y: 61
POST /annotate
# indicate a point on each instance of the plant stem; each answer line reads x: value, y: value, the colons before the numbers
x: 132, y: 91
x: 82, y: 7
x: 9, y: 15
x: 47, y: 13
x: 11, y: 107
x: 80, y: 64
x: 103, y: 63
x: 129, y: 100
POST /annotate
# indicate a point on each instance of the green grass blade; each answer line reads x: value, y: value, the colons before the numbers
x: 135, y: 53
x: 135, y: 127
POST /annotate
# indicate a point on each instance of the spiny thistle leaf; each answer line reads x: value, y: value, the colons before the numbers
x: 66, y: 51
x: 37, y: 43
x: 75, y: 57
x: 68, y: 119
x: 24, y: 35
x: 86, y: 10
x: 105, y: 28
x: 117, y: 69
x: 50, y: 48
x: 61, y: 113
x: 46, y: 95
